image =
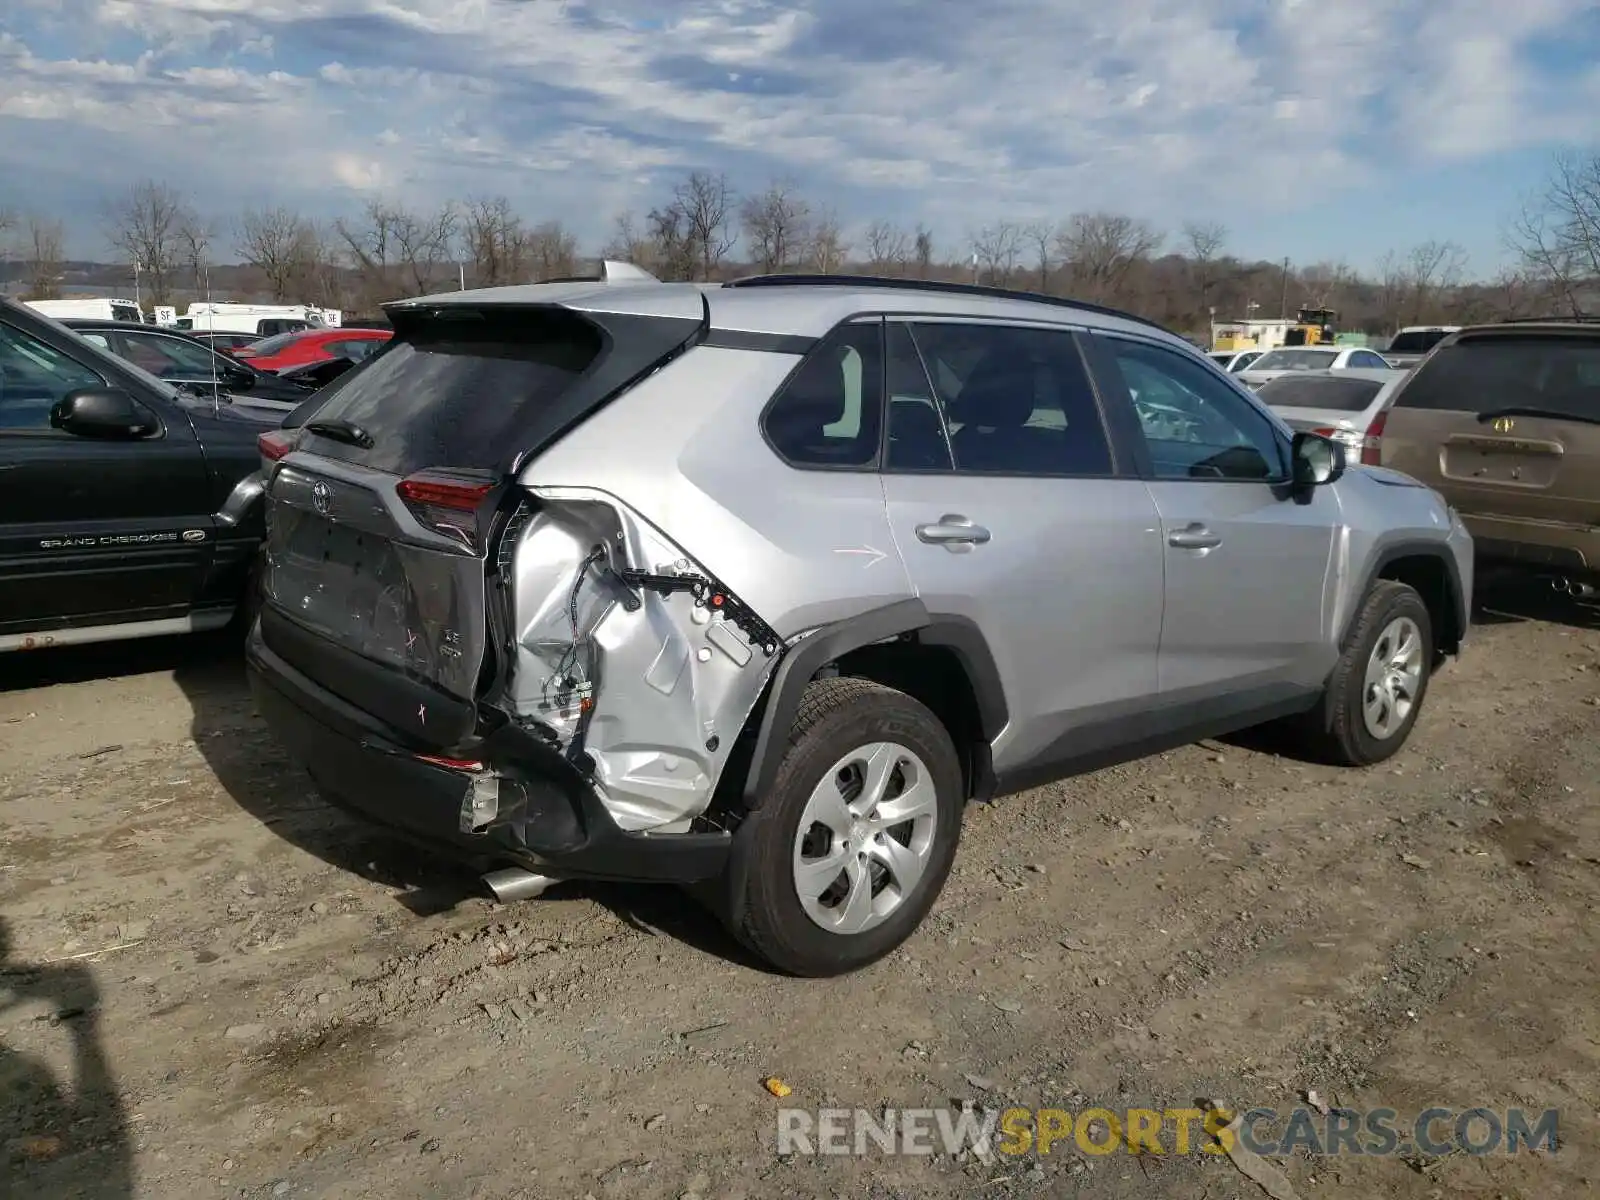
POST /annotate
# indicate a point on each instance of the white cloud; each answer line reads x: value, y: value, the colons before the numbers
x: 956, y: 113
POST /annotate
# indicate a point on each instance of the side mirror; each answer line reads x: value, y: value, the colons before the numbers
x: 1317, y: 460
x: 236, y: 380
x: 102, y: 412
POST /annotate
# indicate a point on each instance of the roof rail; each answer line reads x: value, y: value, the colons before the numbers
x: 934, y: 285
x: 611, y: 271
x: 1561, y: 319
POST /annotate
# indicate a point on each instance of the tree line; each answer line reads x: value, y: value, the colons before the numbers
x: 704, y: 229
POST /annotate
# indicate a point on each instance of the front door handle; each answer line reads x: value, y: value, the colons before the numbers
x: 953, y: 529
x: 1194, y: 537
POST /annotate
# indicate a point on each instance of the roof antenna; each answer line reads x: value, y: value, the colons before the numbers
x: 204, y: 265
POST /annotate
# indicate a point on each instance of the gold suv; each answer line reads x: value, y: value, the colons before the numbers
x: 1504, y: 421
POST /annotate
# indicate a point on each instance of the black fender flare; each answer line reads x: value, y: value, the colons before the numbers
x: 1414, y: 549
x: 810, y: 654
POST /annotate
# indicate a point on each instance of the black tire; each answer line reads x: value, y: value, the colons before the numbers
x: 1336, y: 730
x: 835, y: 717
x: 244, y: 617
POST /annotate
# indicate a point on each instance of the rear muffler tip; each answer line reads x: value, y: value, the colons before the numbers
x: 513, y: 883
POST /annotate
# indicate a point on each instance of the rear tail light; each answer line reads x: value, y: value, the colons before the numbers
x: 276, y: 444
x: 446, y: 503
x: 1348, y: 438
x: 1372, y: 444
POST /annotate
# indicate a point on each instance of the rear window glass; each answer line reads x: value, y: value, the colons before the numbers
x: 1295, y: 360
x: 1417, y: 341
x: 454, y: 393
x: 1338, y: 395
x: 1561, y: 374
x: 272, y: 345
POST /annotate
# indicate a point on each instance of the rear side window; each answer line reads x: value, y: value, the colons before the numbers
x: 1016, y: 401
x: 454, y: 393
x: 1482, y: 374
x: 829, y: 411
x: 1416, y: 341
x: 1337, y: 395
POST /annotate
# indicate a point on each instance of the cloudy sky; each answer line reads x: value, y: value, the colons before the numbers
x: 1332, y: 129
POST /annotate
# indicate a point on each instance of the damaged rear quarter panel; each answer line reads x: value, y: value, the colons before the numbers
x: 679, y: 467
x: 626, y: 652
x: 803, y: 548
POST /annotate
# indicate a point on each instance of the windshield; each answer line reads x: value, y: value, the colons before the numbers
x: 1295, y: 360
x: 1416, y: 341
x: 1558, y: 373
x: 1334, y: 393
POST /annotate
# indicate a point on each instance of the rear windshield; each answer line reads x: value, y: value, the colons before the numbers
x: 1483, y: 374
x: 1295, y: 360
x: 1416, y: 341
x: 1337, y: 395
x: 453, y: 393
x: 279, y: 342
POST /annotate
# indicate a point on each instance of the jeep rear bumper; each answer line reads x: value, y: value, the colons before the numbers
x: 542, y: 814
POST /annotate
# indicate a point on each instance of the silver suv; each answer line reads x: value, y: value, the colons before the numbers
x: 752, y: 587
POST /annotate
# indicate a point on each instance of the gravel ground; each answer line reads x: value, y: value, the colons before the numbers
x: 214, y: 985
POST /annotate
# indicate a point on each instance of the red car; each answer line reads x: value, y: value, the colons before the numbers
x: 308, y: 346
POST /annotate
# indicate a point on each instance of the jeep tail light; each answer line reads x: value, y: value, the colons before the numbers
x: 276, y: 443
x: 1372, y: 444
x: 445, y: 502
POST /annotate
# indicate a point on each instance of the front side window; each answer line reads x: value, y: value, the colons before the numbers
x: 1015, y: 401
x: 34, y: 377
x: 167, y: 358
x: 1195, y: 426
x: 829, y: 411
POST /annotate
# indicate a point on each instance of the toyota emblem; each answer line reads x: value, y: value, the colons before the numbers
x: 321, y: 498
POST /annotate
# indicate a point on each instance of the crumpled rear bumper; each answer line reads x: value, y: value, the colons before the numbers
x: 545, y: 816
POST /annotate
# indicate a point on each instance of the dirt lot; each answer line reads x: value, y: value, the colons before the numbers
x: 216, y: 986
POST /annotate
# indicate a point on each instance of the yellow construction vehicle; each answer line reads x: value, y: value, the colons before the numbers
x: 1313, y: 327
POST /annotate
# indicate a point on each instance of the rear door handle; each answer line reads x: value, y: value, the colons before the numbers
x: 1194, y: 537
x: 953, y: 529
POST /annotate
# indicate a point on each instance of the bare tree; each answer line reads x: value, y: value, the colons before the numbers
x: 42, y: 246
x: 1324, y: 283
x: 195, y: 235
x: 374, y: 251
x: 706, y: 202
x: 1432, y: 271
x: 145, y: 226
x: 495, y: 241
x: 1102, y: 250
x: 398, y: 252
x: 888, y: 247
x: 552, y: 251
x: 775, y: 224
x: 827, y: 248
x: 1391, y: 291
x: 1557, y: 236
x: 8, y: 222
x: 672, y: 244
x: 279, y: 243
x: 922, y: 251
x: 628, y: 244
x: 1202, y: 246
x: 426, y: 242
x: 1041, y: 236
x: 997, y: 248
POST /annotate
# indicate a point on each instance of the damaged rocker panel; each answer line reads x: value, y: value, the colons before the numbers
x: 626, y: 656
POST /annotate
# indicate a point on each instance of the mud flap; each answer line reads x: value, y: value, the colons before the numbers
x: 629, y: 658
